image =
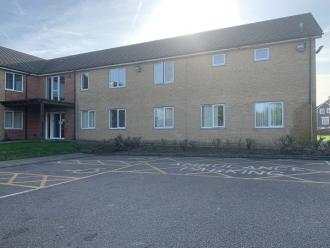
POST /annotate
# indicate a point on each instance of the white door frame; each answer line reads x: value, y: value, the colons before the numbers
x: 50, y: 121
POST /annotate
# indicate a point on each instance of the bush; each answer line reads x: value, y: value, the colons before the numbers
x: 217, y: 143
x: 287, y: 144
x: 129, y: 143
x: 250, y: 144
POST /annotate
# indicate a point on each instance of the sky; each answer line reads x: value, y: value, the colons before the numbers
x: 55, y: 28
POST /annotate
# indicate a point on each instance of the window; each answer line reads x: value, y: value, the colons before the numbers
x: 88, y: 119
x: 213, y: 116
x: 269, y: 115
x: 84, y: 81
x: 14, y: 82
x: 13, y: 120
x: 328, y: 110
x: 164, y: 117
x: 117, y: 78
x: 117, y: 119
x: 261, y: 54
x: 164, y: 72
x: 322, y: 112
x: 218, y: 59
x: 325, y: 120
x: 55, y: 87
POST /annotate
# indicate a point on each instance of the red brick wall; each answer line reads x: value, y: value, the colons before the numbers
x: 69, y: 87
x: 33, y: 123
x: 35, y: 87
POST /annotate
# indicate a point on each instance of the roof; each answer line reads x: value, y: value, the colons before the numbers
x: 281, y: 29
x: 327, y: 102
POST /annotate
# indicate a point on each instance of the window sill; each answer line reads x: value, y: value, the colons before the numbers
x: 18, y: 91
x: 117, y: 128
x: 269, y: 127
x: 89, y: 128
x: 206, y: 128
x: 117, y: 87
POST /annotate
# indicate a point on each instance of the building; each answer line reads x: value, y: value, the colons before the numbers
x: 323, y: 117
x: 250, y: 81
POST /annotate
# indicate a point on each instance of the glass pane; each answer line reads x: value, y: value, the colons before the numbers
x: 91, y: 119
x: 159, y: 117
x: 261, y: 53
x: 49, y: 88
x: 113, y: 118
x: 276, y: 114
x: 8, y: 119
x: 169, y: 72
x: 122, y: 118
x: 121, y: 77
x: 114, y: 78
x: 207, y: 116
x: 218, y: 116
x: 62, y: 88
x: 219, y: 59
x: 169, y: 117
x: 84, y: 85
x: 158, y: 73
x: 18, y: 119
x: 84, y: 119
x: 56, y: 123
x: 55, y: 88
x: 9, y: 81
x: 18, y: 82
x: 261, y: 114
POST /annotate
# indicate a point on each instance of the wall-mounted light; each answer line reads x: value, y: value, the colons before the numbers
x: 137, y: 68
x: 300, y: 47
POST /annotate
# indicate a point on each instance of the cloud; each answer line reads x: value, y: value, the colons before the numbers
x: 322, y: 87
x: 138, y: 9
x: 19, y: 9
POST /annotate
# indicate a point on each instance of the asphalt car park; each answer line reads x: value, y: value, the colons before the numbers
x: 126, y: 201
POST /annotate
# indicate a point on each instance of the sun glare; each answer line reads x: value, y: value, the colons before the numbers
x: 179, y: 17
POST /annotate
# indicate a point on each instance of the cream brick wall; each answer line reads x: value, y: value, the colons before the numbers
x: 2, y: 97
x: 239, y: 84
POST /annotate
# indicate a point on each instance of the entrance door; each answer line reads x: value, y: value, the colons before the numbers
x: 54, y: 125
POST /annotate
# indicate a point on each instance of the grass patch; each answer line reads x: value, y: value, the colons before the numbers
x: 20, y: 150
x: 325, y: 137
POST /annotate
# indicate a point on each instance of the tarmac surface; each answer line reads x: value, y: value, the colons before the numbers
x: 139, y: 201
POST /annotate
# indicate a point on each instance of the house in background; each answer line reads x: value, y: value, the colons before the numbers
x: 249, y: 81
x: 323, y: 118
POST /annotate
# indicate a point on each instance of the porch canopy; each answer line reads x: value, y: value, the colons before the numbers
x: 36, y: 103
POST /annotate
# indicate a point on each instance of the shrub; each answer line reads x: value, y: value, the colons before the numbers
x: 250, y: 143
x: 129, y: 143
x: 217, y: 143
x: 287, y: 144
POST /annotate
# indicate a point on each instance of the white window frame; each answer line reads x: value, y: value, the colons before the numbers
x: 164, y: 117
x: 213, y: 59
x: 117, y: 109
x: 82, y: 83
x: 322, y: 111
x: 269, y: 119
x: 323, y: 122
x: 13, y: 89
x: 81, y: 119
x: 111, y: 82
x: 164, y: 81
x: 262, y: 59
x: 13, y: 120
x: 213, y: 107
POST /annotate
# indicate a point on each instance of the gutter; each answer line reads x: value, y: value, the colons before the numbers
x: 310, y: 92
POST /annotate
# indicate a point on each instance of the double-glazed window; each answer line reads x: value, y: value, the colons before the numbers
x: 261, y: 54
x: 14, y: 82
x: 117, y: 78
x: 218, y: 59
x: 325, y: 120
x: 88, y: 119
x: 164, y: 117
x: 213, y: 115
x: 55, y: 86
x: 84, y: 84
x: 164, y: 72
x: 269, y: 115
x: 117, y: 119
x: 328, y: 110
x: 322, y: 111
x: 13, y: 120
